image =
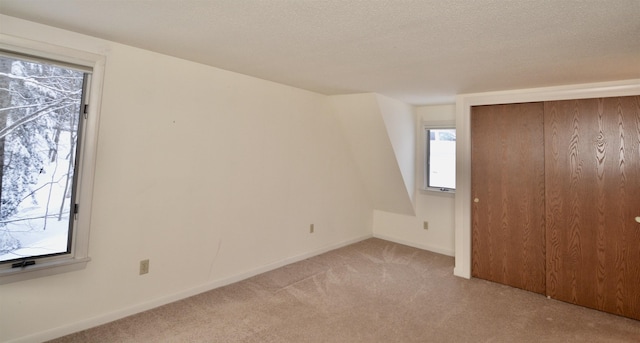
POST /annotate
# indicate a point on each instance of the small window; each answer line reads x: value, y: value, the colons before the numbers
x: 440, y: 159
x: 43, y: 113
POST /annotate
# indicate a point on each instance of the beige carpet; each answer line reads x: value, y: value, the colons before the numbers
x: 372, y: 291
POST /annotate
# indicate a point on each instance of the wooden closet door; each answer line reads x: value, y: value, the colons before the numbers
x: 592, y: 199
x: 507, y: 185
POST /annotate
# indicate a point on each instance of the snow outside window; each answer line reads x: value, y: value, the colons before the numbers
x: 440, y: 166
x: 42, y: 122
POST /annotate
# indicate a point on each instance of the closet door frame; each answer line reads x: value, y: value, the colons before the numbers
x: 464, y: 102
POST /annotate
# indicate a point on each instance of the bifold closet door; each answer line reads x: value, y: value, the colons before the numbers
x: 507, y: 187
x: 592, y: 201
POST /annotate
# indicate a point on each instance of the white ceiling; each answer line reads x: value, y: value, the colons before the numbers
x: 418, y: 51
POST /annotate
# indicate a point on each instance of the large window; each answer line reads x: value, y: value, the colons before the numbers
x: 40, y: 117
x: 440, y: 166
x: 43, y: 127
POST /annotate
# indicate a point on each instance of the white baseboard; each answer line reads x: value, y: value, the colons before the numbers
x: 131, y: 310
x: 438, y: 250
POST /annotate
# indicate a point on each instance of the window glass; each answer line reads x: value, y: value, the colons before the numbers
x: 40, y: 125
x: 441, y: 159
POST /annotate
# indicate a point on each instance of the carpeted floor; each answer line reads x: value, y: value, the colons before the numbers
x: 372, y: 291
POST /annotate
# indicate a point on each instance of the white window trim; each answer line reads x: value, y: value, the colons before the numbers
x: 79, y: 255
x: 428, y: 125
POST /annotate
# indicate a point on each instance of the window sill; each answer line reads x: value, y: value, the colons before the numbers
x: 439, y: 190
x: 42, y: 269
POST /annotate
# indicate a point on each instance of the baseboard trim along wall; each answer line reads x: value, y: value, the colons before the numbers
x: 109, y: 317
x: 437, y: 250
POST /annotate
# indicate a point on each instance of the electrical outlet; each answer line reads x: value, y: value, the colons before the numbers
x: 144, y: 267
x: 425, y: 225
x: 311, y: 229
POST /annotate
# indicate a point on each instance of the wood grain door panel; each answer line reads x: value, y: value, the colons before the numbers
x: 592, y: 183
x: 507, y: 158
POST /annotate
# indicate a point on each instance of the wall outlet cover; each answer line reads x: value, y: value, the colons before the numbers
x: 144, y: 267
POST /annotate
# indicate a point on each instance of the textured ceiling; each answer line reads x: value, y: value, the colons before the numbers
x: 421, y: 51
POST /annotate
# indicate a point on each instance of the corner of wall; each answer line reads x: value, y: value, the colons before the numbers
x: 386, y: 168
x: 399, y: 120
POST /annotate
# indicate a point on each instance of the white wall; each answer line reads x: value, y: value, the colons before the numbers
x: 438, y: 209
x: 211, y: 175
x: 399, y: 119
x: 369, y: 139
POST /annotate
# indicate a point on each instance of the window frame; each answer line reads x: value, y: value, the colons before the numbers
x: 78, y: 257
x: 426, y: 126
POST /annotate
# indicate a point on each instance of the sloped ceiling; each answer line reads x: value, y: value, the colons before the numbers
x: 417, y: 51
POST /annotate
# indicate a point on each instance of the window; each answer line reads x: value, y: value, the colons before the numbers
x: 440, y: 159
x: 47, y: 149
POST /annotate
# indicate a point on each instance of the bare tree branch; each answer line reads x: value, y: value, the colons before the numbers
x: 33, y: 116
x: 32, y: 80
x: 25, y: 219
x: 26, y: 106
x: 43, y: 186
